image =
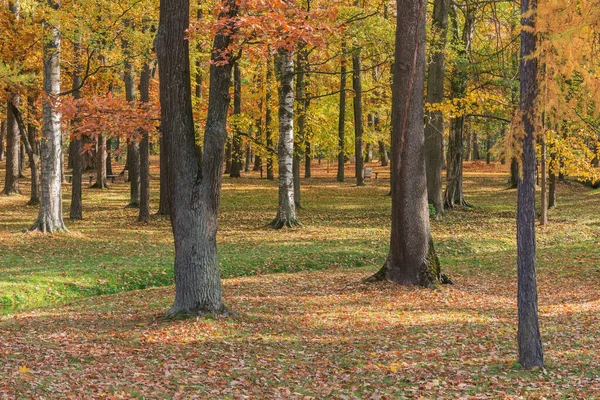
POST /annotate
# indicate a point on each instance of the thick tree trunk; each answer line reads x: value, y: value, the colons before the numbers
x: 358, y: 120
x: 236, y: 148
x: 434, y: 128
x: 163, y: 201
x: 194, y: 190
x: 13, y: 149
x: 342, y: 116
x: 50, y: 217
x: 529, y: 339
x: 286, y: 214
x: 144, y: 215
x: 412, y: 259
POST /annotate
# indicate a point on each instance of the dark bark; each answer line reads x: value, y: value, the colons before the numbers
x: 248, y: 158
x: 13, y: 149
x: 358, y: 120
x: 469, y: 143
x: 434, y: 128
x: 75, y: 156
x: 342, y: 116
x: 412, y: 259
x: 163, y: 201
x: 552, y: 190
x: 133, y: 147
x: 27, y: 143
x: 228, y: 155
x: 514, y: 173
x: 488, y: 147
x: 475, y: 137
x: 300, y: 139
x: 109, y: 151
x: 307, y: 159
x: 529, y: 338
x: 194, y: 190
x: 50, y: 218
x: 236, y: 145
x: 144, y: 215
x: 268, y: 119
x: 22, y: 160
x: 544, y: 186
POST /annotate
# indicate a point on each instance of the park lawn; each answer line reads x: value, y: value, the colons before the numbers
x: 309, y: 334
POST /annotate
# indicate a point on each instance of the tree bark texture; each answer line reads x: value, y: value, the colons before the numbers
x: 163, y: 200
x: 144, y: 215
x: 268, y: 119
x: 529, y: 338
x: 358, y: 119
x: 236, y: 144
x: 194, y: 190
x: 27, y: 142
x: 50, y: 218
x: 412, y: 259
x: 434, y: 128
x: 13, y: 150
x: 300, y: 140
x: 342, y: 116
x: 75, y: 157
x: 2, y: 138
x: 133, y: 147
x: 286, y: 214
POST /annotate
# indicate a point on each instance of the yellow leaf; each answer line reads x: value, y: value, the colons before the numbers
x: 24, y: 370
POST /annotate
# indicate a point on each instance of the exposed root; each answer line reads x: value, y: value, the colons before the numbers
x: 46, y: 227
x: 379, y: 276
x: 279, y: 223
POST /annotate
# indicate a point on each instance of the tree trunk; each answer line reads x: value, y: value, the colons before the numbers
x: 236, y: 156
x: 109, y: 150
x: 475, y: 137
x: 144, y: 215
x: 358, y: 121
x: 412, y: 259
x: 228, y: 155
x: 2, y: 138
x: 434, y: 128
x: 469, y: 143
x: 488, y: 147
x: 27, y: 142
x: 307, y: 160
x: 514, y: 173
x: 286, y: 215
x: 268, y: 117
x: 544, y: 173
x: 342, y: 116
x: 100, y: 163
x: 194, y: 190
x: 22, y: 163
x: 248, y: 158
x: 529, y: 339
x: 300, y: 142
x: 133, y: 148
x: 454, y: 195
x: 163, y: 201
x: 50, y: 217
x: 383, y: 156
x: 75, y: 157
x: 13, y: 149
x: 552, y: 190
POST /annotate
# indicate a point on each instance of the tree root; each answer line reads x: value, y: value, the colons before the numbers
x: 278, y: 223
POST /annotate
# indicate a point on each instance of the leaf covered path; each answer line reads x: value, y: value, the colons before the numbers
x: 308, y: 335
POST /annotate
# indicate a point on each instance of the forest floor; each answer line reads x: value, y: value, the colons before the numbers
x: 310, y: 334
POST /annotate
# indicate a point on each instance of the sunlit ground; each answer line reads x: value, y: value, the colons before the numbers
x: 319, y: 334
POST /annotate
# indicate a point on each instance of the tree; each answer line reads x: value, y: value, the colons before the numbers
x: 194, y: 190
x: 50, y: 217
x: 529, y: 339
x: 434, y: 128
x: 286, y: 214
x: 144, y: 214
x: 11, y: 182
x: 412, y: 259
x: 236, y: 141
x: 342, y: 115
x: 358, y: 119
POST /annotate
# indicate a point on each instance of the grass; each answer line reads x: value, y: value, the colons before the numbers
x: 311, y: 334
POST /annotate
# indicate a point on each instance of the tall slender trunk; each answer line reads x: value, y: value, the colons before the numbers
x: 358, y: 120
x: 488, y: 147
x: 76, y: 158
x: 469, y: 143
x: 475, y: 137
x: 2, y: 137
x: 529, y: 339
x: 411, y: 259
x: 22, y: 160
x: 13, y: 149
x: 144, y: 215
x: 268, y: 118
x: 383, y: 157
x: 454, y: 195
x: 100, y: 162
x: 302, y: 63
x: 109, y: 150
x: 286, y: 214
x: 194, y: 189
x: 236, y: 145
x: 514, y: 172
x: 544, y: 173
x: 27, y: 140
x: 342, y: 115
x: 248, y: 158
x: 133, y: 147
x: 434, y: 128
x: 50, y: 217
